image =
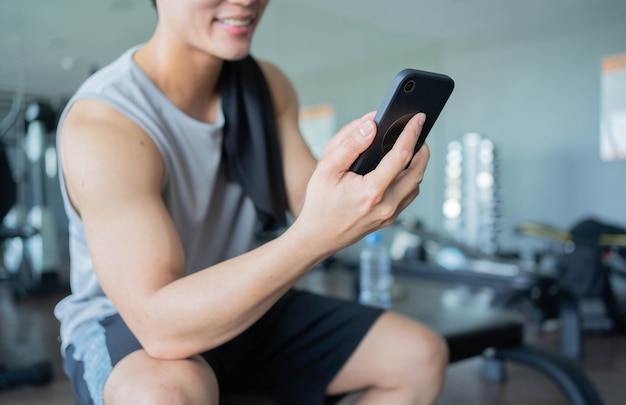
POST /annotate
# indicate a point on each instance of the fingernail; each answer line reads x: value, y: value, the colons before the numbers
x: 421, y: 118
x: 366, y: 129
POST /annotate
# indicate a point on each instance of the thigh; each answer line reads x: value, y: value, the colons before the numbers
x: 296, y: 349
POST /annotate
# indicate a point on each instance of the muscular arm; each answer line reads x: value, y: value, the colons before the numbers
x: 113, y: 174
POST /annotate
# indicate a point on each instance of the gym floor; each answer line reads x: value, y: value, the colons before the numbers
x: 28, y: 334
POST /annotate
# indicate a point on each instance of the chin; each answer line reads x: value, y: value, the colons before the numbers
x: 234, y: 55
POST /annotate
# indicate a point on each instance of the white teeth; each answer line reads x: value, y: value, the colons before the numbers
x: 237, y: 23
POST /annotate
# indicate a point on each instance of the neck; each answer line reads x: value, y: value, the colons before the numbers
x: 187, y: 77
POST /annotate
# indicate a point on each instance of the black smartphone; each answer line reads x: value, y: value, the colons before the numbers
x: 411, y: 92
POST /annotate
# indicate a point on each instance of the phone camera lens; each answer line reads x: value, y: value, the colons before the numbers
x: 409, y: 86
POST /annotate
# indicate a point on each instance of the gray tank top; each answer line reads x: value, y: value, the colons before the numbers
x: 214, y: 219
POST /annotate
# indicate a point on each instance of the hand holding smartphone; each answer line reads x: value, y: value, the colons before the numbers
x: 411, y: 92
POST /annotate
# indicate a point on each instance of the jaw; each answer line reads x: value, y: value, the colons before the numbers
x: 223, y: 33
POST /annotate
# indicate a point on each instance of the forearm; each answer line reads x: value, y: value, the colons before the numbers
x: 205, y: 309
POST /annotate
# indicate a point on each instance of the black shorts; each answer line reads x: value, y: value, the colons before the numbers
x: 290, y: 354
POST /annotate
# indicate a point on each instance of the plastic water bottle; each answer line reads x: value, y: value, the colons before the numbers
x: 375, y: 273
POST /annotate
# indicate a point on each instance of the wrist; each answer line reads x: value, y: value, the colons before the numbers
x: 312, y: 245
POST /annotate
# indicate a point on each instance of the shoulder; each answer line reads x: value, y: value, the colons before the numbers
x: 99, y: 149
x: 87, y: 116
x: 92, y: 126
x: 110, y: 109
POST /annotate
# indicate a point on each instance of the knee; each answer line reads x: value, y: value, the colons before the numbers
x: 169, y: 382
x: 178, y: 390
x: 425, y: 356
x: 435, y: 354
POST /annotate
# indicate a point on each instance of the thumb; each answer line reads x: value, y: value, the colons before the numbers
x: 348, y: 144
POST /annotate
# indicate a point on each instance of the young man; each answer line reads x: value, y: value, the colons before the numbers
x: 169, y: 302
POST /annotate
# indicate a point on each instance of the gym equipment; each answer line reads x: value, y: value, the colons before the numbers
x: 538, y: 295
x: 32, y: 257
x: 42, y: 247
x: 541, y: 295
x: 587, y: 260
x: 471, y: 201
x: 498, y: 337
x: 41, y: 372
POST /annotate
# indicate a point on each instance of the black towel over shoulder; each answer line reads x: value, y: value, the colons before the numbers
x: 250, y: 145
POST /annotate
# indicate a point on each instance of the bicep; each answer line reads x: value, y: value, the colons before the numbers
x: 113, y: 174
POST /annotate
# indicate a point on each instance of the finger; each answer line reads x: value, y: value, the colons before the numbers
x: 349, y: 146
x: 407, y: 185
x: 419, y: 164
x: 345, y: 132
x: 409, y: 180
x: 401, y: 154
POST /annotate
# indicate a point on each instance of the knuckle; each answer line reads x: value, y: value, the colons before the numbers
x: 373, y: 196
x: 350, y: 143
x: 386, y: 213
x: 405, y: 155
x: 347, y: 143
x: 420, y: 178
x: 424, y: 152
